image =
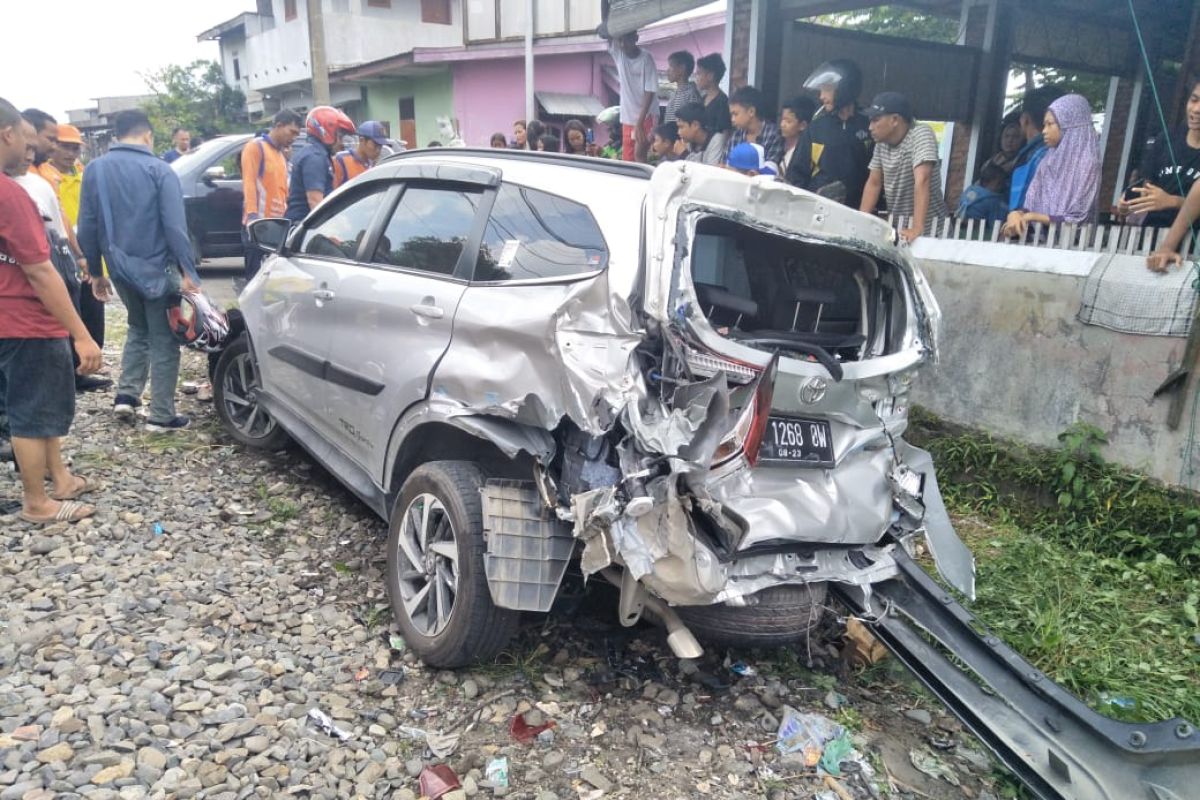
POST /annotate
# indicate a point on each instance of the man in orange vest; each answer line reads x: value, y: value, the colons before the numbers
x: 265, y: 179
x: 349, y: 164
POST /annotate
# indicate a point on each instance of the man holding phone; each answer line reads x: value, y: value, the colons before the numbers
x: 1168, y: 172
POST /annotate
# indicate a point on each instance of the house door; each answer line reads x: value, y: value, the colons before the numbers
x: 408, y: 122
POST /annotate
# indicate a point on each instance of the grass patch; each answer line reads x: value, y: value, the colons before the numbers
x: 1116, y: 632
x: 1088, y: 570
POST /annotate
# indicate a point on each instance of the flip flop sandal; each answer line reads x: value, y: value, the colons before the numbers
x: 69, y: 511
x: 86, y: 487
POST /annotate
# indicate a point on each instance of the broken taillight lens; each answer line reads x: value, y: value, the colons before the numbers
x: 707, y: 364
x: 747, y: 433
x: 763, y: 396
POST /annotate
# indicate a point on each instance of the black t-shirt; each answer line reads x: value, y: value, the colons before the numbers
x: 840, y: 151
x: 1158, y: 168
x: 716, y: 114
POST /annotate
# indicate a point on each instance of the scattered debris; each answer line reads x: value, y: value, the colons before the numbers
x: 497, y: 772
x: 933, y: 766
x: 326, y: 724
x: 397, y: 643
x: 361, y: 675
x: 437, y: 781
x: 862, y: 648
x: 805, y: 733
x: 391, y: 677
x: 837, y: 750
x: 525, y: 733
x: 743, y: 669
x: 158, y: 529
x: 442, y: 745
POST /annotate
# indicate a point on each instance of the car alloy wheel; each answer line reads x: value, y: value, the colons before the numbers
x: 239, y: 398
x: 427, y: 555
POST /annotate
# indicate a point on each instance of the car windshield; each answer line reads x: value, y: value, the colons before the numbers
x: 202, y: 153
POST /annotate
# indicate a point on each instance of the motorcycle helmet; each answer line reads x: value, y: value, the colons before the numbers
x: 327, y: 125
x: 197, y: 323
x: 843, y: 75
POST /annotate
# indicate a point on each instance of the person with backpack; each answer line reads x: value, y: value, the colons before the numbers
x: 265, y: 180
x: 131, y: 211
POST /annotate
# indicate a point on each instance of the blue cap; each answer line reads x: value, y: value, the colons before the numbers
x: 374, y: 131
x: 750, y: 156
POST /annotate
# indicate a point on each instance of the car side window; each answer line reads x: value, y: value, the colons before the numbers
x: 428, y: 229
x: 533, y: 234
x: 232, y: 165
x: 339, y: 234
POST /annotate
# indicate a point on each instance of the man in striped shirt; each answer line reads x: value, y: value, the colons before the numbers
x: 265, y: 179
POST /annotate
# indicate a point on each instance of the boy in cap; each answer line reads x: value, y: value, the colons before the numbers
x: 904, y: 166
x: 349, y: 164
x: 749, y: 158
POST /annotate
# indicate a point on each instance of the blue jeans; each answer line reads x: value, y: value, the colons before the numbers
x: 151, y: 351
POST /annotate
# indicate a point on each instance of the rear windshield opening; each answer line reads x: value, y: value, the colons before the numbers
x: 778, y: 293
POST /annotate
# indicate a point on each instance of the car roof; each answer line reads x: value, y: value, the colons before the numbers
x: 592, y: 179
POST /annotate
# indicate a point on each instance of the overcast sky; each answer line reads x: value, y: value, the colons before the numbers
x: 60, y: 54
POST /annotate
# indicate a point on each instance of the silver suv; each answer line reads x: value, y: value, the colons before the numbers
x: 693, y: 382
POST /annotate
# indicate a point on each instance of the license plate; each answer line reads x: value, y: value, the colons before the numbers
x: 797, y: 442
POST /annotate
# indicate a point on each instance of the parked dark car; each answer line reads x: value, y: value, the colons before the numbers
x: 211, y: 176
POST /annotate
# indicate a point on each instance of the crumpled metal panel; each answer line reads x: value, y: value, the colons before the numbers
x: 537, y: 353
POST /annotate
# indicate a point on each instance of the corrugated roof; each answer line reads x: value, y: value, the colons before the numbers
x: 561, y: 104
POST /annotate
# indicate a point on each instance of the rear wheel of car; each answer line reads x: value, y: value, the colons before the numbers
x: 236, y: 383
x: 435, y: 574
x: 783, y: 615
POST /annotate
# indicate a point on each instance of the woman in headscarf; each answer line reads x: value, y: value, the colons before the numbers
x: 1067, y: 182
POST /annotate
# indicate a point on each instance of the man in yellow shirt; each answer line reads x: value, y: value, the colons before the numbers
x: 64, y: 160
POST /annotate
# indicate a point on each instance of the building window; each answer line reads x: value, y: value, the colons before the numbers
x: 289, y: 10
x: 435, y: 11
x: 379, y: 3
x: 237, y: 69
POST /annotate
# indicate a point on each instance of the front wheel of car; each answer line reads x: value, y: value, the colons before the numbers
x: 236, y: 384
x: 435, y: 574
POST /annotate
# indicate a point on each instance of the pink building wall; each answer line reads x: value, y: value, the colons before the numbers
x: 490, y: 93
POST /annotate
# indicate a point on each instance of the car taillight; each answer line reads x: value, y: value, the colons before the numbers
x: 747, y: 433
x: 708, y: 364
x: 762, y: 410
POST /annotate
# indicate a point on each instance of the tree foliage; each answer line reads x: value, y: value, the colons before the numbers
x: 896, y: 21
x: 194, y: 96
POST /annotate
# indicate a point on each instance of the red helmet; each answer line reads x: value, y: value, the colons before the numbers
x: 327, y: 124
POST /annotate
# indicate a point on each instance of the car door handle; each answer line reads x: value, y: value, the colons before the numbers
x: 428, y: 311
x: 323, y: 294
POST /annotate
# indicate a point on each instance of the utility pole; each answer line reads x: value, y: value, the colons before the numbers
x: 530, y: 102
x: 316, y: 48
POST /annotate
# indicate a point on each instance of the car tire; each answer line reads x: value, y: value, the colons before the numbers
x: 235, y: 383
x: 443, y: 498
x: 783, y: 615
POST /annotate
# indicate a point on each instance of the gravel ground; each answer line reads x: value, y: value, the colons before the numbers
x: 176, y: 644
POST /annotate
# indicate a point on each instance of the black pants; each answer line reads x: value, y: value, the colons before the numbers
x: 91, y: 311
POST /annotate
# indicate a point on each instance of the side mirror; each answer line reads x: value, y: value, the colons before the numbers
x: 215, y: 173
x: 269, y: 235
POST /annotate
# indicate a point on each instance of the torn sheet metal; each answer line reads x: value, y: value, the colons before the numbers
x: 560, y: 350
x: 954, y: 560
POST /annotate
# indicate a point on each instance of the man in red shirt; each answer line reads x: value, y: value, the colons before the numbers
x: 36, y: 317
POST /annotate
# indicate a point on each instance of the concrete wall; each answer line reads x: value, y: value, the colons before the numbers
x: 432, y: 97
x: 1016, y: 362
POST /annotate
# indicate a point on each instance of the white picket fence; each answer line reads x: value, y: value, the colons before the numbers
x: 1092, y: 238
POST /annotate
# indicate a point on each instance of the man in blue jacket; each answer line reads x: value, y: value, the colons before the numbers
x: 131, y: 211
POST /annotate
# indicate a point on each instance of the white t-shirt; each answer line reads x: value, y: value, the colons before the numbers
x: 636, y: 76
x: 46, y: 201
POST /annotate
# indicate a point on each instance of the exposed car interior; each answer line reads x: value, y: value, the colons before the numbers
x: 781, y: 293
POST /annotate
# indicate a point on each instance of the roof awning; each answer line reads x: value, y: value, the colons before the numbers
x: 561, y: 104
x: 630, y: 15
